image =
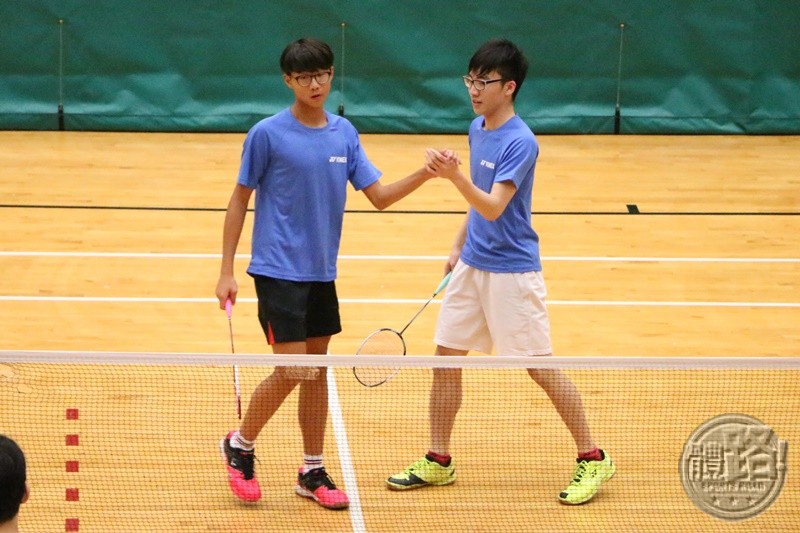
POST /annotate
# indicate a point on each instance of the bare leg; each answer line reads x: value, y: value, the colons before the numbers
x: 272, y: 392
x: 445, y: 401
x: 265, y: 400
x: 567, y: 401
x: 312, y: 410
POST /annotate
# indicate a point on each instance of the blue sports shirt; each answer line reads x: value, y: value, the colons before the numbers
x: 508, y: 244
x: 300, y: 176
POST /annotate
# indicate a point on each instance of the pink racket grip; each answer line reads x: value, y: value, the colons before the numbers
x: 228, y: 307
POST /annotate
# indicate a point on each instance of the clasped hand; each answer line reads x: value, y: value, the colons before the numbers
x: 442, y: 163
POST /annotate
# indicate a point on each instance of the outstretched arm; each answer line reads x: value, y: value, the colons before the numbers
x: 382, y: 196
x: 489, y: 205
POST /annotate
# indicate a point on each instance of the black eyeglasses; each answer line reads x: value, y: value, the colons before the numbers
x: 304, y: 80
x: 479, y: 84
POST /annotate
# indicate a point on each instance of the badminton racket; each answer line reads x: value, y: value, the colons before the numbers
x: 237, y: 390
x: 387, y: 341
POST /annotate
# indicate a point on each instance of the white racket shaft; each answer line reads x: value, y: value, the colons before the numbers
x: 237, y: 390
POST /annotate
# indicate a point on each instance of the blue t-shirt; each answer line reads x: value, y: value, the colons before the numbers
x: 508, y: 244
x: 300, y: 175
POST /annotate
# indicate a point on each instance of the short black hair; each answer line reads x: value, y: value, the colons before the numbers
x: 503, y: 56
x: 306, y: 55
x: 12, y: 478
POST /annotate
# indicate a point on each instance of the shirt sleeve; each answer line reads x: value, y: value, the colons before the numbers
x: 255, y: 156
x: 516, y: 161
x: 362, y: 172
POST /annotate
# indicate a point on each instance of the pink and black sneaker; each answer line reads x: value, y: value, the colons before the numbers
x: 317, y: 485
x: 241, y: 473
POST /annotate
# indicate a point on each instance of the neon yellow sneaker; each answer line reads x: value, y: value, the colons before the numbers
x: 422, y: 473
x: 586, y: 480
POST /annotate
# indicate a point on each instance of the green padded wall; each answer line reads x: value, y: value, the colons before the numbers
x: 716, y: 66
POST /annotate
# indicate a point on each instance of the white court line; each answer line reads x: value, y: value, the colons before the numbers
x: 585, y: 303
x: 345, y: 457
x: 631, y: 259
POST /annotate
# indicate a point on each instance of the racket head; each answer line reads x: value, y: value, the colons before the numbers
x: 384, y: 341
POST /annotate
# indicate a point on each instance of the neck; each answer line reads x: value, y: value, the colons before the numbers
x: 10, y: 526
x: 494, y: 120
x: 313, y: 117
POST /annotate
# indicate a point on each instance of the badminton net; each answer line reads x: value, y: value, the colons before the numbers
x: 129, y: 442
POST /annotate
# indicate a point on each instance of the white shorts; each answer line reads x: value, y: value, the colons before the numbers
x: 481, y: 309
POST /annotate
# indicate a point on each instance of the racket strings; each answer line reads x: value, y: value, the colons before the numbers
x: 381, y: 342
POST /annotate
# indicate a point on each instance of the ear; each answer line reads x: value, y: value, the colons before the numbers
x: 27, y: 493
x: 287, y: 80
x: 510, y: 87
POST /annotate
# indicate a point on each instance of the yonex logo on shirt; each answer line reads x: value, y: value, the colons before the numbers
x: 337, y: 159
x: 487, y: 164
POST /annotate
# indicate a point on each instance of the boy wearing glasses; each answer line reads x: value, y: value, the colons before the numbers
x: 299, y: 163
x: 496, y: 295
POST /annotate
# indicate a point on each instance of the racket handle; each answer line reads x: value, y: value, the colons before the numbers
x: 228, y: 307
x: 443, y: 283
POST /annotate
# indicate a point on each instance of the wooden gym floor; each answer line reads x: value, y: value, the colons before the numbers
x: 652, y: 246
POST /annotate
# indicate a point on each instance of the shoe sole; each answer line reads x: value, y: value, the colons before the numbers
x: 300, y: 491
x: 420, y: 485
x: 565, y: 502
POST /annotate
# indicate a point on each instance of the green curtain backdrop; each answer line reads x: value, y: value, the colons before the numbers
x: 713, y: 66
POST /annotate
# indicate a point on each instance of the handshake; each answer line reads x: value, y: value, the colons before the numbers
x: 443, y: 163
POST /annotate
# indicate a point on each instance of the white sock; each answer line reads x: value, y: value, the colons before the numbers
x: 237, y: 441
x: 310, y: 462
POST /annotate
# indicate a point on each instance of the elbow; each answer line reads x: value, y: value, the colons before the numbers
x: 382, y: 201
x: 378, y: 196
x: 380, y: 204
x: 494, y: 210
x: 492, y: 215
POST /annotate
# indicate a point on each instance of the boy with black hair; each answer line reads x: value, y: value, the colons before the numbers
x: 299, y: 163
x: 496, y: 295
x: 13, y: 484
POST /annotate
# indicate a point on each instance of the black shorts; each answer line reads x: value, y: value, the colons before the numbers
x: 293, y: 311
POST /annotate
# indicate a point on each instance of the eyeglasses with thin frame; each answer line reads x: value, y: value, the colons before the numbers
x: 479, y: 85
x: 304, y: 80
